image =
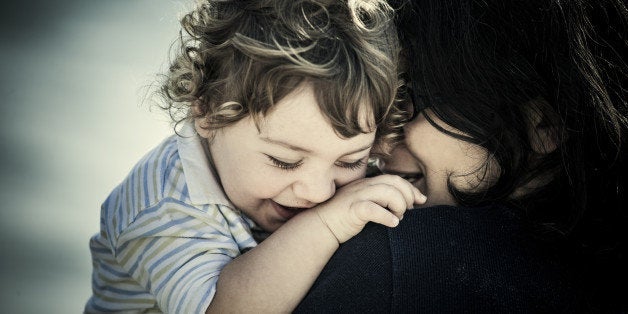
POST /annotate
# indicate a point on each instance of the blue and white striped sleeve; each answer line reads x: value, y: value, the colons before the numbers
x: 177, y: 251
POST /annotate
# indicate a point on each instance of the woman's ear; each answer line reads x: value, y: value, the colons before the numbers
x: 544, y: 129
x: 200, y: 121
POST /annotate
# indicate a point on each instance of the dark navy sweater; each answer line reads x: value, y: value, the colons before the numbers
x: 446, y: 260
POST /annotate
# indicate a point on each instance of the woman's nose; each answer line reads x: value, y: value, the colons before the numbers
x: 399, y: 161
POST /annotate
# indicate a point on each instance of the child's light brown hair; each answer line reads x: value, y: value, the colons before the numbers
x: 240, y: 57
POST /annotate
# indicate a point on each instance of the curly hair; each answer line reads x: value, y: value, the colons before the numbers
x: 240, y: 57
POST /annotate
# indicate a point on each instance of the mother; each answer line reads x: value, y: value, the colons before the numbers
x: 518, y: 138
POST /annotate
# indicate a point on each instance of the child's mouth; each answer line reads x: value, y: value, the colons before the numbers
x: 286, y: 212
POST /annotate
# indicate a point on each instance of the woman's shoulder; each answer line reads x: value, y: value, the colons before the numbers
x: 477, y: 259
x: 446, y: 258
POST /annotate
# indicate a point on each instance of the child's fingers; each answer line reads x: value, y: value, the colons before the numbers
x: 419, y: 197
x: 411, y: 194
x: 369, y: 211
x: 386, y: 196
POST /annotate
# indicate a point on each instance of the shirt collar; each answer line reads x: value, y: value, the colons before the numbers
x: 200, y: 175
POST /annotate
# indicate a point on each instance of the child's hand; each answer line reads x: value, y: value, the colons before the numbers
x: 382, y: 199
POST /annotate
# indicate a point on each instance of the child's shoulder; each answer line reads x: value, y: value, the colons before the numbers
x: 157, y: 165
x: 154, y: 177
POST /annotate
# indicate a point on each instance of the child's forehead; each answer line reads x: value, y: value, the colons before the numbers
x: 305, y: 103
x: 298, y: 121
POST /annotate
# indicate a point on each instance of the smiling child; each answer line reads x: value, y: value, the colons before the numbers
x: 283, y: 102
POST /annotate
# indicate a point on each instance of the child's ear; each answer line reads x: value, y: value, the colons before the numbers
x: 544, y: 129
x: 200, y: 121
x: 200, y: 125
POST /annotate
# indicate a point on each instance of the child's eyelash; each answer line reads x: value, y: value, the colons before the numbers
x: 352, y: 165
x: 293, y: 166
x: 285, y: 165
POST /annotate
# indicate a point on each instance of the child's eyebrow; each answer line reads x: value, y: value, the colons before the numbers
x: 305, y: 150
x: 359, y: 150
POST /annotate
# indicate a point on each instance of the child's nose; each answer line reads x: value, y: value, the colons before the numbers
x: 315, y: 189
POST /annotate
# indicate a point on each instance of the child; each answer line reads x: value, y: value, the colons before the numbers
x: 283, y: 102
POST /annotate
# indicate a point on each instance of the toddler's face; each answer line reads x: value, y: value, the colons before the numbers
x: 294, y: 162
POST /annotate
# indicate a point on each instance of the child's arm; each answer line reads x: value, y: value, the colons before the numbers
x: 274, y: 276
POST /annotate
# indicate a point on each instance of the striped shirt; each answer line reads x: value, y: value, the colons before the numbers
x: 166, y: 232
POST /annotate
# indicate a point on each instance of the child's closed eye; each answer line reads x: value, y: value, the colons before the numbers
x: 352, y: 165
x: 283, y: 164
x: 289, y: 166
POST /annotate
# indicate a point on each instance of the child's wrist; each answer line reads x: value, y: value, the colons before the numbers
x: 327, y: 227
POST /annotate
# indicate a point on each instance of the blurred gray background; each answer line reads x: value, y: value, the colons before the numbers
x: 75, y: 116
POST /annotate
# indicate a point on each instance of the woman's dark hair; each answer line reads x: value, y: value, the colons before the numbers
x: 482, y: 65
